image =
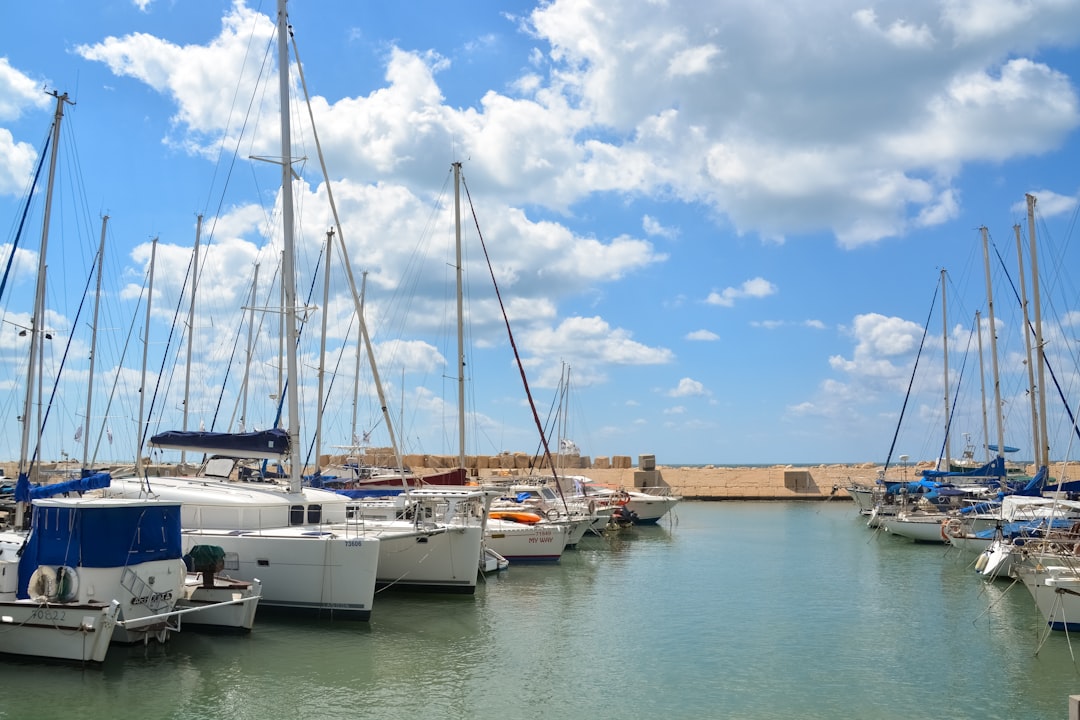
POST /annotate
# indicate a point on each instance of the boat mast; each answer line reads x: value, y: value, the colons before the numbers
x: 288, y: 269
x: 460, y: 316
x: 1027, y: 345
x: 37, y: 318
x: 191, y: 329
x: 93, y: 347
x: 945, y: 346
x: 1043, y: 450
x: 993, y: 344
x: 322, y: 349
x: 982, y: 387
x: 356, y: 373
x: 250, y: 348
x: 146, y: 344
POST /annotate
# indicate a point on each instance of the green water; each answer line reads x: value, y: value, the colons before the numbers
x: 731, y: 610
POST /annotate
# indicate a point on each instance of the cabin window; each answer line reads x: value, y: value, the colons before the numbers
x: 296, y: 515
x: 314, y: 514
x: 232, y: 561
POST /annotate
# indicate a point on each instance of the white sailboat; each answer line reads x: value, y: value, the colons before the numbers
x: 274, y: 534
x: 85, y: 572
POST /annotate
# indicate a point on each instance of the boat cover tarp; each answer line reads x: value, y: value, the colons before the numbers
x: 270, y: 444
x: 374, y: 492
x: 85, y: 535
x: 992, y: 470
x: 1025, y: 528
x: 25, y: 492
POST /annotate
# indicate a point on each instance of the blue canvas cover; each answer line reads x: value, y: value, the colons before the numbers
x: 25, y: 492
x: 270, y: 444
x: 100, y: 535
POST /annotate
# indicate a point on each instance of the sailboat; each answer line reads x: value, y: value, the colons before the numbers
x: 278, y: 535
x: 87, y: 571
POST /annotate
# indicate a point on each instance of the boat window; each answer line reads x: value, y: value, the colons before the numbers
x: 314, y: 514
x: 232, y: 561
x: 296, y: 515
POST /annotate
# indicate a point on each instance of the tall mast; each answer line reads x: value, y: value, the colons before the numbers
x: 945, y: 345
x: 356, y: 373
x: 1043, y: 450
x: 1028, y: 346
x: 322, y: 349
x: 288, y: 269
x: 993, y: 343
x: 191, y: 329
x: 37, y: 319
x: 982, y: 388
x: 146, y: 345
x: 460, y: 317
x: 93, y: 347
x: 250, y: 348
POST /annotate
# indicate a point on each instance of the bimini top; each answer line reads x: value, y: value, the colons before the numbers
x: 267, y: 444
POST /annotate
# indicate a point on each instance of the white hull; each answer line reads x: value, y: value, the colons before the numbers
x: 236, y: 617
x: 526, y: 543
x: 1056, y: 591
x: 921, y: 529
x: 57, y: 631
x: 650, y: 508
x: 443, y: 560
x: 301, y: 568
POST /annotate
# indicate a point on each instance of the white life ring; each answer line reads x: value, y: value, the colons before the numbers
x: 67, y: 584
x: 592, y: 507
x: 552, y: 514
x: 42, y: 586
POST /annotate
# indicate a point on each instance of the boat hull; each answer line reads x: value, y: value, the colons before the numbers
x: 539, y: 542
x: 444, y: 560
x: 75, y: 632
x: 301, y: 569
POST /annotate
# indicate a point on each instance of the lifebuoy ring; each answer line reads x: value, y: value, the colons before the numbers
x: 949, y: 528
x: 592, y: 507
x: 552, y: 514
x: 67, y: 584
x: 42, y: 586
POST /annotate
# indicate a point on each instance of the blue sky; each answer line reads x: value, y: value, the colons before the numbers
x: 727, y: 220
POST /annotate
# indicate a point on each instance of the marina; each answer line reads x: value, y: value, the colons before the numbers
x: 738, y: 609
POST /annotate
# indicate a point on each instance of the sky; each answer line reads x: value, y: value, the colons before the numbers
x: 723, y: 233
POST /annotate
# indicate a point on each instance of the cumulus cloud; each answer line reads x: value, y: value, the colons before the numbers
x: 688, y: 387
x: 702, y: 335
x: 754, y: 288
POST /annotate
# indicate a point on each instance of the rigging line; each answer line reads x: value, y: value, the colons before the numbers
x: 513, y: 343
x: 157, y: 383
x: 911, y: 381
x: 59, y: 372
x: 956, y: 396
x: 1045, y: 357
x: 26, y: 210
x: 116, y: 378
x: 323, y: 403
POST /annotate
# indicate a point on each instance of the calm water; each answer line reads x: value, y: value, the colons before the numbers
x: 740, y: 610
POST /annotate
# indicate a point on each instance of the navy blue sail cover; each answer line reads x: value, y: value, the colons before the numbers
x: 270, y: 444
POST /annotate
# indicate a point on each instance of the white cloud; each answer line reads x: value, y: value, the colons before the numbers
x: 774, y: 118
x: 754, y: 288
x: 653, y: 227
x: 702, y: 335
x: 1047, y: 203
x: 19, y: 92
x: 688, y: 387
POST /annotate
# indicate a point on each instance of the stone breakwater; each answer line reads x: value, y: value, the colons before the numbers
x: 710, y: 482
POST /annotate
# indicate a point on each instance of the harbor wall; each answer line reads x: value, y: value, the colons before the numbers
x: 708, y: 482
